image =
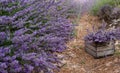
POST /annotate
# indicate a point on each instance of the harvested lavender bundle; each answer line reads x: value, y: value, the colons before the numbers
x: 102, y: 35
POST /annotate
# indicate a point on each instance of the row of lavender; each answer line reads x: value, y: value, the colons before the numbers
x: 31, y: 31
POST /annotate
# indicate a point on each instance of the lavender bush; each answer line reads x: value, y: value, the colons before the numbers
x: 31, y: 31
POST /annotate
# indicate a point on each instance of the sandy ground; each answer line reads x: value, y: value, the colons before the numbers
x: 76, y: 60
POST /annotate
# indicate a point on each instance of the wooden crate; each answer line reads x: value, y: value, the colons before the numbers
x: 100, y: 51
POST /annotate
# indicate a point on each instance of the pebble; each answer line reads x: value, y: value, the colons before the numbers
x: 106, y: 69
x: 117, y: 71
x: 108, y: 64
x: 100, y: 69
x: 83, y: 69
x: 116, y: 60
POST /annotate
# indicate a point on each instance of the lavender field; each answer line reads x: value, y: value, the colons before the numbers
x: 40, y: 36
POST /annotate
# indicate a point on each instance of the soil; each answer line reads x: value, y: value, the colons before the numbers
x: 76, y: 60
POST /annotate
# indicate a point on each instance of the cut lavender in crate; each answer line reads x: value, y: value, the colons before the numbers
x: 101, y: 43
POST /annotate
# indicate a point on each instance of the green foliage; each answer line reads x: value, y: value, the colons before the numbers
x: 117, y: 53
x: 101, y: 3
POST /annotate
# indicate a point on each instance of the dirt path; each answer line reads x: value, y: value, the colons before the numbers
x: 76, y: 60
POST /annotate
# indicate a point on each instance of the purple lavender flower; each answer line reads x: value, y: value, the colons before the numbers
x: 102, y: 35
x: 31, y: 31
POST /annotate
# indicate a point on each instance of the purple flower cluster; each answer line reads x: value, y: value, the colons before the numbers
x: 102, y: 35
x: 31, y: 31
x: 116, y: 33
